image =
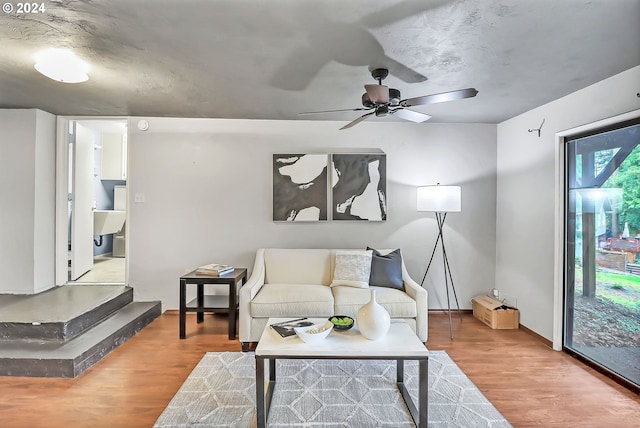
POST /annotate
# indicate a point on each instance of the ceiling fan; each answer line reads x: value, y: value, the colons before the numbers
x: 383, y: 101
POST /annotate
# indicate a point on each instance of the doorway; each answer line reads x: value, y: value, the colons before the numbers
x: 93, y: 155
x: 602, y: 249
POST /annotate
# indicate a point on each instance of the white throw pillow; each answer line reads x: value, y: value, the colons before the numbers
x: 353, y: 268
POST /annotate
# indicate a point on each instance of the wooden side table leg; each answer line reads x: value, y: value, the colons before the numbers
x: 200, y: 314
x: 232, y: 309
x: 183, y: 308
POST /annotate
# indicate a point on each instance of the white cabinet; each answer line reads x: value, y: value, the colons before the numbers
x: 114, y: 157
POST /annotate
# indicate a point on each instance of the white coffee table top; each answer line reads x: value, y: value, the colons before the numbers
x: 400, y: 342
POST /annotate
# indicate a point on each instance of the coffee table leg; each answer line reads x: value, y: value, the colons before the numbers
x: 418, y: 414
x: 270, y: 387
x: 272, y: 370
x: 263, y: 401
x: 423, y: 393
x: 260, y: 408
x: 400, y: 371
x: 404, y: 392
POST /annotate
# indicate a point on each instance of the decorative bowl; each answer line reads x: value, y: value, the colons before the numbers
x: 345, y: 325
x: 314, y: 333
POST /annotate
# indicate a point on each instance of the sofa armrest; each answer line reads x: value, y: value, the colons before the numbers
x: 419, y: 294
x: 247, y: 292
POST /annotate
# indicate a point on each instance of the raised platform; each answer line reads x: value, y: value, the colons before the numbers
x: 64, y: 331
x: 60, y: 313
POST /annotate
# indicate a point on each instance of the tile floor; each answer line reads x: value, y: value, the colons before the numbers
x: 106, y: 269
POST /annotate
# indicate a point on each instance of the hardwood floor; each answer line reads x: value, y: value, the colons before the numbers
x: 530, y: 384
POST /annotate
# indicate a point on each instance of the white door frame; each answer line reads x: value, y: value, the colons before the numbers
x: 62, y: 195
x: 559, y: 232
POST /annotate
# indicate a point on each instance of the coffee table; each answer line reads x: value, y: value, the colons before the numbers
x: 400, y: 344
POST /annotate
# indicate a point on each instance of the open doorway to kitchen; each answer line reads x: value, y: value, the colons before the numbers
x: 95, y: 206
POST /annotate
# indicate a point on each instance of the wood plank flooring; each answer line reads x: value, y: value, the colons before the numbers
x: 530, y: 384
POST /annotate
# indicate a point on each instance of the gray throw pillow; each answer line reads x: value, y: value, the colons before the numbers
x: 386, y: 270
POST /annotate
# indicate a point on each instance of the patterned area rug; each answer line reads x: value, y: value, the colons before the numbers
x: 220, y: 392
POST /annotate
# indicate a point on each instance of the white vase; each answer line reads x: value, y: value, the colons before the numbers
x: 373, y: 320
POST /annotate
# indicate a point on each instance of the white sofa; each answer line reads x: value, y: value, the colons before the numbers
x: 294, y: 283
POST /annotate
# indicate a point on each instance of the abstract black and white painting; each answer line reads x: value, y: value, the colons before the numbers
x: 300, y: 187
x: 359, y: 186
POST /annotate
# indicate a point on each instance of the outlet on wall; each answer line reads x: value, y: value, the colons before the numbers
x: 495, y: 293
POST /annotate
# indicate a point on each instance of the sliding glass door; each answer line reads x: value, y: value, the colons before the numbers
x: 602, y: 249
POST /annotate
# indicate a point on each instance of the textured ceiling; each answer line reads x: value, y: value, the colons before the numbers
x: 270, y: 59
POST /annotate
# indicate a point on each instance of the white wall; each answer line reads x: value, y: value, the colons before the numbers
x: 44, y: 196
x: 207, y: 190
x: 526, y: 202
x: 27, y: 174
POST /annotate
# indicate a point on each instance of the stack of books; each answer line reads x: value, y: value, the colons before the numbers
x: 214, y: 269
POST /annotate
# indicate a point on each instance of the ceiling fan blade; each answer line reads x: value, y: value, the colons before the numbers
x: 357, y: 121
x: 440, y: 98
x: 411, y: 115
x: 332, y: 111
x: 378, y: 93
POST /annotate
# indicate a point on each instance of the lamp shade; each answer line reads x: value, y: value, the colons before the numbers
x: 439, y: 198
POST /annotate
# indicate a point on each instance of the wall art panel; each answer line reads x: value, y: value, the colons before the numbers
x: 300, y: 186
x: 359, y: 186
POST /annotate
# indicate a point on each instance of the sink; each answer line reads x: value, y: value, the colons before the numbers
x: 106, y: 222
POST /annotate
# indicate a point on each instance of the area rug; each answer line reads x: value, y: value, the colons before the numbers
x: 220, y: 392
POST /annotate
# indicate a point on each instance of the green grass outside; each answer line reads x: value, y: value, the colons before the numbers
x: 617, y: 288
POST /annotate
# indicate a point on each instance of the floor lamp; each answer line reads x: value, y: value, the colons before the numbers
x: 441, y: 200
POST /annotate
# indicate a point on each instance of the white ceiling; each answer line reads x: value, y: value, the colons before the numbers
x: 271, y: 59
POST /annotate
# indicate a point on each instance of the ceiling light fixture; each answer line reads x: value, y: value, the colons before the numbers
x: 61, y: 65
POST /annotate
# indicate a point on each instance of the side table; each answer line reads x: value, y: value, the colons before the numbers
x: 211, y: 303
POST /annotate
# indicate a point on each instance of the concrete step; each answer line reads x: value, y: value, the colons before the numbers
x: 60, y: 314
x: 70, y: 358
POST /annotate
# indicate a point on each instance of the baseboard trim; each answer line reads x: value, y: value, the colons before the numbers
x: 542, y: 339
x: 446, y: 311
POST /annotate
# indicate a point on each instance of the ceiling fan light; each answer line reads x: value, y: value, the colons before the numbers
x: 366, y: 101
x: 61, y: 65
x: 379, y: 94
x: 394, y: 97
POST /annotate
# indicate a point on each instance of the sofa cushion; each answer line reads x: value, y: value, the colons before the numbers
x: 386, y: 269
x: 292, y: 300
x: 352, y: 268
x: 297, y: 266
x: 349, y: 300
